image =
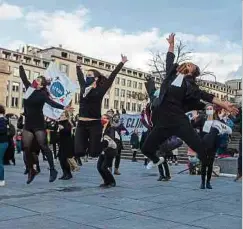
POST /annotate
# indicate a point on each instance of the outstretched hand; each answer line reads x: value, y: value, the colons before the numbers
x: 69, y: 108
x: 79, y: 62
x: 231, y: 108
x: 171, y: 39
x: 123, y: 59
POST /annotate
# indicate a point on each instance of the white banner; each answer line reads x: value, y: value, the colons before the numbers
x: 132, y: 122
x: 61, y: 90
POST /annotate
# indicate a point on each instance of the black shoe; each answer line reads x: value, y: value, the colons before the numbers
x: 209, y: 186
x: 26, y: 171
x: 112, y: 185
x: 161, y: 178
x: 134, y: 160
x: 167, y: 178
x: 62, y: 177
x: 68, y: 177
x: 202, y: 186
x: 31, y: 176
x: 14, y: 162
x: 53, y: 175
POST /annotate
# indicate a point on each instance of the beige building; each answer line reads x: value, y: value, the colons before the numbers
x: 236, y: 85
x: 127, y: 91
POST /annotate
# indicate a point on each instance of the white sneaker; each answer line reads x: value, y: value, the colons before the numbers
x: 2, y: 183
x: 221, y: 127
x: 151, y: 164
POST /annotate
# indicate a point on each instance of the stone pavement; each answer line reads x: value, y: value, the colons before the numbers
x: 139, y: 201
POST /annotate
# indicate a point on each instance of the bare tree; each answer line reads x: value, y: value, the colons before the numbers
x: 182, y: 54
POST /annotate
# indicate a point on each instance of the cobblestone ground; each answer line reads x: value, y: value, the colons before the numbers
x: 138, y: 201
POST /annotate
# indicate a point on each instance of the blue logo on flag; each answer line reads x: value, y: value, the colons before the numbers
x: 57, y: 89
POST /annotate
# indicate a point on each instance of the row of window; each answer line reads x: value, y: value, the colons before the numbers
x: 217, y: 87
x: 63, y: 68
x: 134, y: 107
x: 123, y: 93
x: 128, y: 83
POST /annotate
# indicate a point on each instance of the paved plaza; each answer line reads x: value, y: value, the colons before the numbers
x: 139, y: 201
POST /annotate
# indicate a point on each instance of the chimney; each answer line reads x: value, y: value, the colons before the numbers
x: 60, y: 45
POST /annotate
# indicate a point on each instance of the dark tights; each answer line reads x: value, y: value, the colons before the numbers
x: 102, y: 166
x: 41, y: 138
x: 118, y: 159
x: 185, y: 132
x: 207, y: 166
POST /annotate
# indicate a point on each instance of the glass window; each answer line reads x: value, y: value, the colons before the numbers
x: 35, y: 75
x: 123, y: 93
x: 135, y: 84
x: 129, y: 94
x: 117, y: 80
x: 15, y: 71
x: 15, y: 102
x: 128, y: 106
x: 15, y: 87
x: 116, y: 91
x: 129, y: 83
x: 140, y: 86
x: 133, y: 106
x: 106, y: 103
x: 116, y: 104
x: 123, y: 82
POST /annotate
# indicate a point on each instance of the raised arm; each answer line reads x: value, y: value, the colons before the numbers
x: 113, y: 75
x: 80, y: 75
x: 150, y: 87
x: 170, y: 56
x: 23, y: 76
x: 53, y: 103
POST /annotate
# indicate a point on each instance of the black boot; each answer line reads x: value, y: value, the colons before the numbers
x: 68, y: 176
x: 62, y: 177
x: 14, y: 162
x: 31, y: 176
x: 208, y: 185
x: 161, y: 178
x: 53, y: 175
x: 26, y: 171
x: 202, y: 185
x: 38, y: 169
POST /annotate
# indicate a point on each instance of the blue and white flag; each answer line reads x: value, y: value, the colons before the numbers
x: 61, y: 90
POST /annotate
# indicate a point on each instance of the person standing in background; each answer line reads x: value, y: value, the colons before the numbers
x: 134, y: 142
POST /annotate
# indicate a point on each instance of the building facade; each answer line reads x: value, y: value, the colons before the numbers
x: 236, y: 85
x: 127, y: 91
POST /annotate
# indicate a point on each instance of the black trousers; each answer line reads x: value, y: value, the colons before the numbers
x: 181, y: 128
x: 207, y: 165
x: 164, y: 172
x: 88, y: 138
x: 102, y: 167
x: 63, y: 159
x: 41, y: 138
x: 118, y: 159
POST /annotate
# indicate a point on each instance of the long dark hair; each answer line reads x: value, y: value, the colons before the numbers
x: 101, y: 78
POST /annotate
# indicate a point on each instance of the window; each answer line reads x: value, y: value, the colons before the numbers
x: 122, y: 105
x: 140, y: 86
x: 106, y: 103
x: 135, y: 84
x: 27, y: 72
x: 16, y: 72
x: 15, y: 102
x: 128, y: 107
x: 15, y: 87
x: 123, y: 82
x: 8, y: 83
x: 129, y: 83
x: 45, y: 64
x: 116, y: 103
x: 76, y: 99
x: 133, y: 106
x: 6, y: 101
x: 35, y: 75
x: 129, y: 94
x: 64, y: 54
x: 22, y: 103
x: 117, y: 80
x: 122, y: 93
x: 139, y: 108
x: 116, y: 92
x: 64, y: 68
